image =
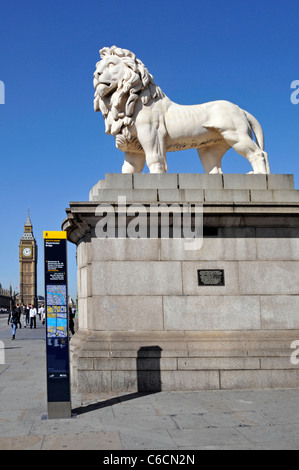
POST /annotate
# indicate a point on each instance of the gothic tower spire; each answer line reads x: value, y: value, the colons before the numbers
x: 28, y: 264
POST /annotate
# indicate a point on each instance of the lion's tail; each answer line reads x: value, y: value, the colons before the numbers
x: 257, y: 129
x: 259, y: 135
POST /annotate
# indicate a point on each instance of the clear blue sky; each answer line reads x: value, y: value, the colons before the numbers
x: 52, y: 145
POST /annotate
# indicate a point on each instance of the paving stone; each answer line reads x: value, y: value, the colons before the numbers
x: 86, y: 441
x: 206, y: 420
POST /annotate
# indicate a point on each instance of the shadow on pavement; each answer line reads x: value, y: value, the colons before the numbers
x: 112, y: 401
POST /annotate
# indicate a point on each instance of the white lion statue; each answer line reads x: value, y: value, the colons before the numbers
x: 146, y: 124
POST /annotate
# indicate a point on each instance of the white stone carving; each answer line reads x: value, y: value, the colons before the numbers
x: 146, y: 123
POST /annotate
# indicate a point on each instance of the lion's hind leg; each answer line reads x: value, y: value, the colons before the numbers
x: 243, y: 144
x: 211, y: 157
x: 134, y: 162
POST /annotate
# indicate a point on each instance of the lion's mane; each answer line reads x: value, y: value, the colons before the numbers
x: 118, y: 107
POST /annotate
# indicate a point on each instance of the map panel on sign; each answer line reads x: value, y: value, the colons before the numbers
x: 56, y: 295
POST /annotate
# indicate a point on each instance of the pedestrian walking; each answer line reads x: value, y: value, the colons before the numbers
x: 32, y: 315
x: 24, y: 315
x: 27, y: 314
x: 71, y: 321
x: 18, y: 310
x: 43, y: 314
x: 13, y: 320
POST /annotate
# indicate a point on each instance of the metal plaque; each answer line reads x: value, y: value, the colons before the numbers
x: 210, y: 277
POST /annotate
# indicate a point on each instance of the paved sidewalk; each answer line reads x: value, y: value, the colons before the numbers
x: 247, y: 419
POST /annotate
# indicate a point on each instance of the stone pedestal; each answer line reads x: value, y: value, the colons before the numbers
x: 145, y: 321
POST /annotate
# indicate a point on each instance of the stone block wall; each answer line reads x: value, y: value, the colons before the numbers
x: 146, y: 324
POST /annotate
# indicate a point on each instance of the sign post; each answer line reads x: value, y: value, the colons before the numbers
x: 57, y: 325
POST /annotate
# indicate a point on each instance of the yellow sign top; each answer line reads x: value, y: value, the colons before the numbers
x: 55, y: 235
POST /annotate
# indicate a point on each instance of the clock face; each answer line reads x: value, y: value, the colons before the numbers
x: 27, y: 251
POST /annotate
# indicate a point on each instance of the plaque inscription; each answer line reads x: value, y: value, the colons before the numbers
x: 210, y: 277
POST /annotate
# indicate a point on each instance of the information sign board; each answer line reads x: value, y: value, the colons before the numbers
x: 57, y: 331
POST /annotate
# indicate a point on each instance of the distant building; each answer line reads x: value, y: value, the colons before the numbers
x: 41, y: 300
x: 28, y: 265
x: 5, y: 297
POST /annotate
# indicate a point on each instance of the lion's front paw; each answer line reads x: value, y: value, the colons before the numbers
x: 121, y: 142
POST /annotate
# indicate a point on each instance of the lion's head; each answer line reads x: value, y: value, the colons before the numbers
x: 120, y: 80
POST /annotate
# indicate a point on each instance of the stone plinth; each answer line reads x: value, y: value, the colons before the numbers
x: 145, y: 323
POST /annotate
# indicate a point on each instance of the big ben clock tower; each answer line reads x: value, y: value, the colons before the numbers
x: 28, y: 265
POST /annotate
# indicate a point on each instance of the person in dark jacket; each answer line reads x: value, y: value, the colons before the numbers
x: 71, y: 321
x: 19, y: 315
x: 13, y: 318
